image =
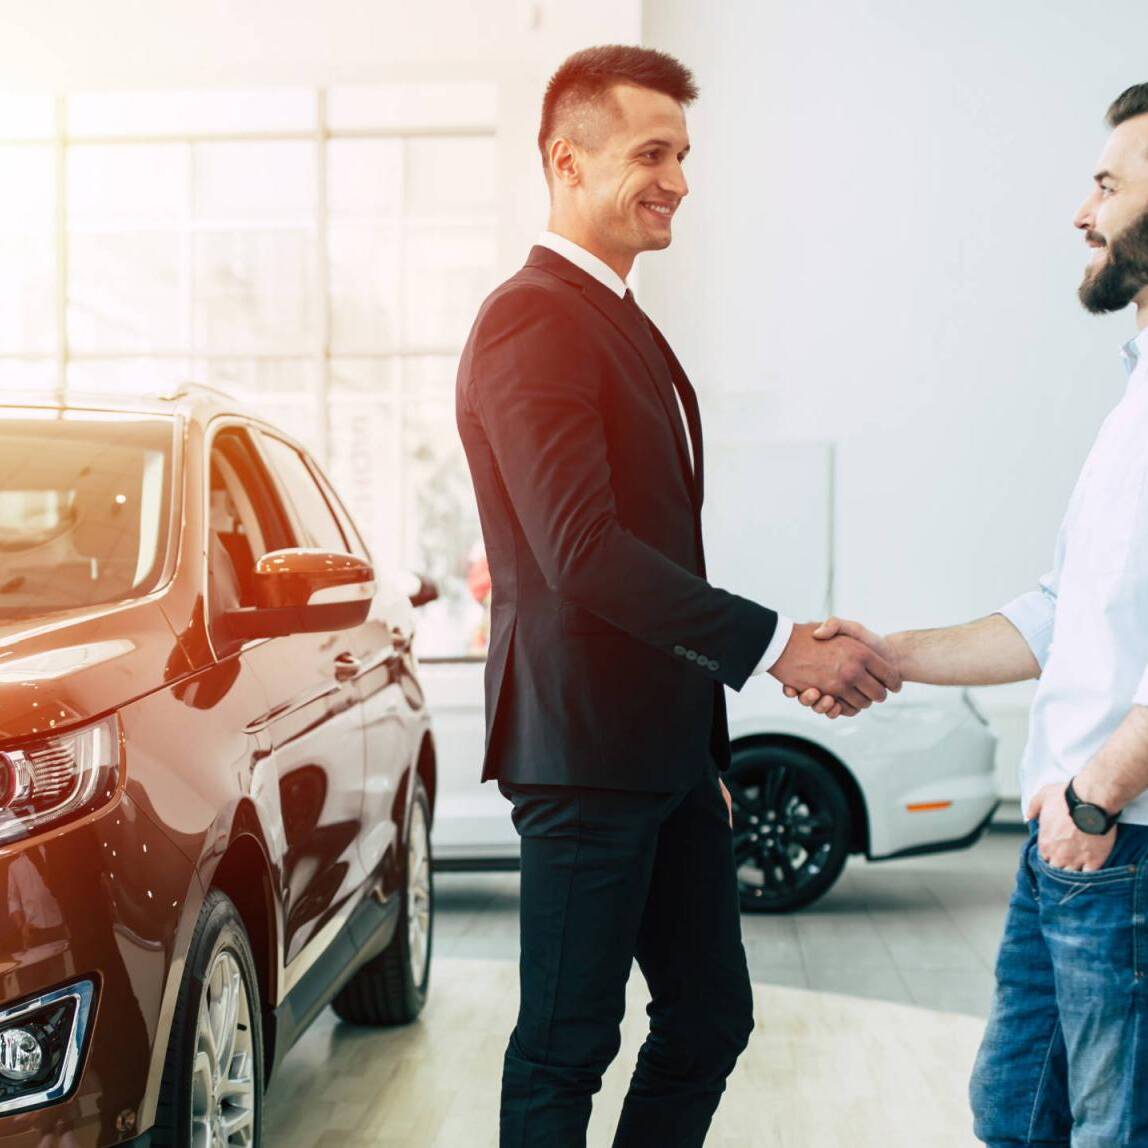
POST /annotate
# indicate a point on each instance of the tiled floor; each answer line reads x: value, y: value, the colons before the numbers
x: 921, y: 931
x: 821, y: 1071
x: 825, y: 1069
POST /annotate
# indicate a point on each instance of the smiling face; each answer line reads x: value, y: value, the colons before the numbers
x: 1114, y: 219
x: 616, y: 194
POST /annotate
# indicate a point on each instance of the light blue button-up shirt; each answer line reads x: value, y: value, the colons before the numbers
x: 1087, y: 625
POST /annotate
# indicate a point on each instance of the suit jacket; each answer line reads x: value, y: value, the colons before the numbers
x: 608, y: 647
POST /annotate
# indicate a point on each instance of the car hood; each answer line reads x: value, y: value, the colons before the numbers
x: 61, y: 670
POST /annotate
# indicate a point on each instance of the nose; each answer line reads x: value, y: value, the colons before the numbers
x: 675, y: 182
x: 1086, y: 216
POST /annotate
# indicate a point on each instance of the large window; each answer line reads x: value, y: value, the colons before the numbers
x: 320, y: 254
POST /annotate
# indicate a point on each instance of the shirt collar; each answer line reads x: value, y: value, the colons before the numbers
x: 582, y: 258
x: 1135, y: 355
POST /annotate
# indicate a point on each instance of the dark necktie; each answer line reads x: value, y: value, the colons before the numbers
x: 629, y: 301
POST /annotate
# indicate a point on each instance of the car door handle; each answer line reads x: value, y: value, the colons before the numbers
x: 347, y: 666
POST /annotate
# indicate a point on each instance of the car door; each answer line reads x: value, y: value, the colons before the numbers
x: 372, y: 656
x: 312, y: 719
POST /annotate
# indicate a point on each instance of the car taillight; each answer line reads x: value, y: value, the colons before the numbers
x: 58, y: 778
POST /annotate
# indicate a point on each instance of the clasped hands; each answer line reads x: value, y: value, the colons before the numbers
x: 837, y: 668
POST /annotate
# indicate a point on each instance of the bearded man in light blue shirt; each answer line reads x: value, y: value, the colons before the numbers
x: 1065, y: 1055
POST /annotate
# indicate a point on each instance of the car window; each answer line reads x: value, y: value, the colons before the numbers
x: 350, y: 530
x: 315, y: 524
x: 243, y: 522
x: 85, y: 509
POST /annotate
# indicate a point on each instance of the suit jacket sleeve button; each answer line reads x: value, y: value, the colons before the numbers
x: 679, y: 650
x: 692, y: 655
x: 714, y: 665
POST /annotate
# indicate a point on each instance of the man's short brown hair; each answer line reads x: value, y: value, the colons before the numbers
x: 1131, y: 102
x: 577, y: 100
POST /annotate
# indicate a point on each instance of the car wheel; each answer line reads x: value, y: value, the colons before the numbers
x: 791, y: 827
x: 211, y: 1095
x: 392, y: 987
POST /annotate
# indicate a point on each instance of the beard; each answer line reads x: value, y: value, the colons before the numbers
x: 1122, y: 275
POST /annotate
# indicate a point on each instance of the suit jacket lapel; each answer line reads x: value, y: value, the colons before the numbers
x: 639, y: 332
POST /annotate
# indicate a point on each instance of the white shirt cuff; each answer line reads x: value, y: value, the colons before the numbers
x: 1033, y: 615
x: 776, y: 645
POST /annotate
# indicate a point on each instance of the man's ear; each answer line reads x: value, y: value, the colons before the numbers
x: 564, y: 162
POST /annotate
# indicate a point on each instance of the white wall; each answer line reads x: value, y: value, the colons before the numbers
x: 878, y: 250
x: 71, y: 44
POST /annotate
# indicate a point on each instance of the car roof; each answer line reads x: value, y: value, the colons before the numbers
x: 195, y: 401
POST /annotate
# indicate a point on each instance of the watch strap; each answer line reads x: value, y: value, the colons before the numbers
x: 1074, y: 801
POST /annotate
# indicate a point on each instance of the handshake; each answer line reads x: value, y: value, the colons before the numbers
x: 838, y: 667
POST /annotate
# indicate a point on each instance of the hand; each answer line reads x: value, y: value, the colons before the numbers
x: 1059, y: 842
x: 826, y: 703
x: 849, y: 671
x: 728, y: 801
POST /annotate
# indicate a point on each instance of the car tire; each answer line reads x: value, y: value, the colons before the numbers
x: 391, y: 988
x: 792, y: 827
x: 218, y: 1002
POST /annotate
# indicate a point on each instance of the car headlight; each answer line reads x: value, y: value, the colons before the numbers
x: 58, y: 778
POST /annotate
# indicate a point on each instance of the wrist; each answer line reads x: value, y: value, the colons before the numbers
x: 904, y: 654
x: 1091, y: 786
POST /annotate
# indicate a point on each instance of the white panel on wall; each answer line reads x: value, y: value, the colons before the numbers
x: 766, y: 522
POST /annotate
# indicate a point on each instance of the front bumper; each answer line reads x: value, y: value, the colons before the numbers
x: 100, y: 900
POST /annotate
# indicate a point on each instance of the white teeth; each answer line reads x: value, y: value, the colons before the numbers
x: 659, y: 208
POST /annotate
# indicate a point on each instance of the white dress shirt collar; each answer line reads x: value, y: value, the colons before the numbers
x: 582, y: 258
x: 1135, y: 355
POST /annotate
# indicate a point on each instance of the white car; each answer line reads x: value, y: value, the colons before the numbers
x: 914, y: 775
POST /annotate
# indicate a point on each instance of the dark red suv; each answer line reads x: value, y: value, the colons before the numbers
x: 217, y: 776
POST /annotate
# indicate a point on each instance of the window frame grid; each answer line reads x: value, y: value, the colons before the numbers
x: 320, y: 355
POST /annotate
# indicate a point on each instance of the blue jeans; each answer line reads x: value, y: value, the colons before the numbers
x: 1064, y: 1060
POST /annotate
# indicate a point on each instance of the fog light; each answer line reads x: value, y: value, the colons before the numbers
x: 20, y: 1054
x: 42, y: 1042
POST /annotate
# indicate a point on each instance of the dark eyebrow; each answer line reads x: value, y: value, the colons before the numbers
x: 660, y: 143
x: 1100, y: 176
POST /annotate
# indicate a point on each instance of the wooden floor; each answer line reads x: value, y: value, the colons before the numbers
x: 821, y: 1071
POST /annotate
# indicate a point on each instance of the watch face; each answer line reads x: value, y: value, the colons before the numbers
x: 1090, y: 818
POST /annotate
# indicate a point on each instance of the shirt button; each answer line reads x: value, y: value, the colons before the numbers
x: 679, y: 650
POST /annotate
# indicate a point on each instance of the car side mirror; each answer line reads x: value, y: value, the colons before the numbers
x: 301, y: 590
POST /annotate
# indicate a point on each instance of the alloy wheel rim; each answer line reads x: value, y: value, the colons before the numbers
x: 418, y: 895
x: 783, y: 832
x: 223, y: 1081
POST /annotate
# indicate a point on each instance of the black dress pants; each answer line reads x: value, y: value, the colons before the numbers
x: 607, y: 876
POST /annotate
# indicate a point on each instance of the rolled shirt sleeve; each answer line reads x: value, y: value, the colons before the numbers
x: 1140, y: 697
x: 1033, y: 614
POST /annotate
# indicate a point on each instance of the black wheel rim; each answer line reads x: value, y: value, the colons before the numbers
x: 783, y: 831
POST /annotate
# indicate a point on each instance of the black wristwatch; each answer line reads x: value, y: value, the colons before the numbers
x: 1088, y: 818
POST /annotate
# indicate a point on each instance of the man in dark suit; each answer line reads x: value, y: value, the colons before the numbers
x: 609, y: 650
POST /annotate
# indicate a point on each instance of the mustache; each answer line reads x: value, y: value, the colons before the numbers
x: 1095, y: 237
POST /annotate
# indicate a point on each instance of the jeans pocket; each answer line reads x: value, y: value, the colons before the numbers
x: 1060, y: 886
